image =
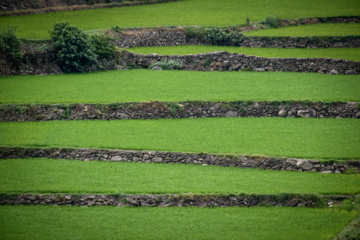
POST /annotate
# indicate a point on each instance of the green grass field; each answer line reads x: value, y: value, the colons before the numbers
x: 69, y: 176
x: 187, y: 12
x: 328, y: 29
x: 300, y: 138
x: 48, y: 222
x: 147, y: 85
x: 336, y: 53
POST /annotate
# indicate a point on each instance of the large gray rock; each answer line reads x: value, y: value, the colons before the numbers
x: 306, y: 166
x: 282, y: 113
x: 259, y: 69
x: 307, y: 113
x: 333, y: 72
x: 350, y: 72
x: 231, y: 114
x: 157, y: 68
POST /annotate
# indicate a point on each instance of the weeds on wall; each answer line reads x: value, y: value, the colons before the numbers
x: 271, y: 21
x: 168, y: 65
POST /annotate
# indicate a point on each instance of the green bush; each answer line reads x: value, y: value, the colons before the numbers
x: 216, y: 36
x: 73, y: 48
x: 9, y: 47
x: 219, y: 36
x: 168, y: 65
x: 272, y: 21
x: 103, y: 47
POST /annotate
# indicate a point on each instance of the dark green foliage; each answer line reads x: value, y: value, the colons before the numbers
x: 103, y: 47
x: 272, y: 21
x: 9, y: 47
x: 116, y: 29
x: 73, y: 48
x: 197, y: 33
x: 219, y: 36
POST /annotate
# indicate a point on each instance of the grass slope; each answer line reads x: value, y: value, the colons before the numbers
x: 187, y: 12
x: 329, y: 29
x: 147, y: 85
x: 336, y: 53
x: 48, y: 222
x: 302, y: 138
x: 69, y: 176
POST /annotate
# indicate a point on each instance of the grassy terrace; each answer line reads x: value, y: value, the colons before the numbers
x: 69, y: 176
x: 301, y: 138
x: 147, y: 85
x: 336, y: 53
x: 47, y: 222
x: 329, y: 29
x: 187, y: 12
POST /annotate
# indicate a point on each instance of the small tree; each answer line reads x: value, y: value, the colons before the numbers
x: 103, y: 47
x: 73, y: 48
x: 9, y: 48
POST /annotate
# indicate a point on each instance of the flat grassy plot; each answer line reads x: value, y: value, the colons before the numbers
x: 48, y: 222
x: 302, y: 138
x: 71, y: 176
x: 336, y: 53
x: 147, y: 85
x: 326, y: 29
x: 187, y: 12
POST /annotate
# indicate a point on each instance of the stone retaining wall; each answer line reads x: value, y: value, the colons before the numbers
x: 159, y: 110
x: 146, y: 37
x: 163, y: 200
x: 225, y: 61
x: 273, y: 163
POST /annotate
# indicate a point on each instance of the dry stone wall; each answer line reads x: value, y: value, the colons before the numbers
x: 225, y: 61
x: 159, y: 110
x: 163, y: 200
x: 273, y: 163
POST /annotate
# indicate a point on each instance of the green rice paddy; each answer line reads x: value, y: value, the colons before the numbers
x: 187, y: 12
x: 326, y: 29
x: 48, y: 222
x: 299, y: 138
x: 148, y: 85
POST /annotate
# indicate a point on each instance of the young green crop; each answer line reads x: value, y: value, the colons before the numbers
x: 48, y: 222
x: 147, y: 85
x: 336, y: 53
x: 69, y: 176
x: 289, y: 137
x: 186, y: 12
x: 328, y: 29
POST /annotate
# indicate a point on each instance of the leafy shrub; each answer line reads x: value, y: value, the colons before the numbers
x: 9, y: 47
x: 116, y: 29
x: 235, y: 38
x: 216, y: 36
x: 168, y: 65
x: 103, y: 47
x: 192, y: 32
x: 272, y: 21
x: 73, y: 48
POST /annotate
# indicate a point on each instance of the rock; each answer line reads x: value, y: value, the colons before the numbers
x: 157, y: 159
x: 350, y: 72
x: 306, y: 166
x: 357, y: 115
x: 282, y: 113
x: 259, y: 69
x: 124, y: 116
x: 333, y: 72
x: 116, y: 158
x: 231, y: 114
x: 306, y: 113
x: 330, y: 204
x: 327, y: 171
x: 157, y: 68
x: 236, y: 67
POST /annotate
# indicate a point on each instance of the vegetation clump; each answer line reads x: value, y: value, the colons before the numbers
x: 168, y: 65
x: 219, y: 36
x: 73, y: 48
x: 9, y: 48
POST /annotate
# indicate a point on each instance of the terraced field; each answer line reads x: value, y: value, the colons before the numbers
x: 314, y: 199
